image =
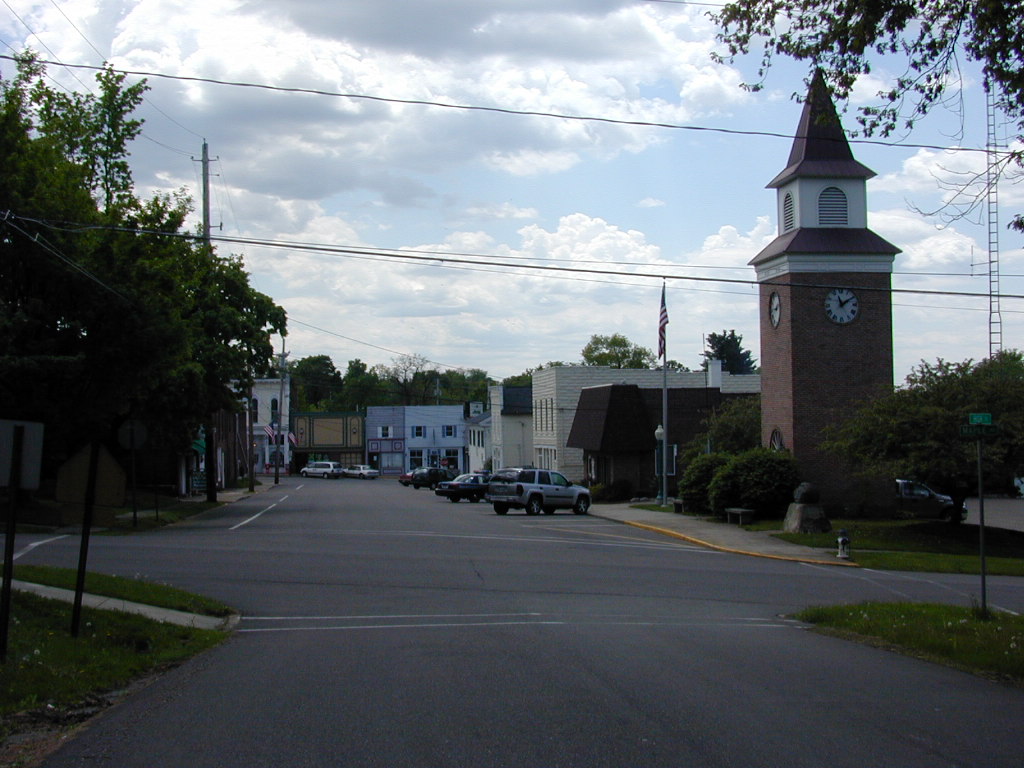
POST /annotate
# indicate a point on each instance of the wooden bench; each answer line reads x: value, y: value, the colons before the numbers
x: 739, y: 516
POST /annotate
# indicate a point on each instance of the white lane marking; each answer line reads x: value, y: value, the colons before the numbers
x: 28, y: 548
x: 637, y: 544
x: 383, y: 623
x: 245, y: 522
x: 390, y: 616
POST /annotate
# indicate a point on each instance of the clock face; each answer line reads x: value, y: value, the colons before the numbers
x: 774, y: 309
x: 841, y: 305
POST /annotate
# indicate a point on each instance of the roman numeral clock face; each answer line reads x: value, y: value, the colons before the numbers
x: 841, y: 306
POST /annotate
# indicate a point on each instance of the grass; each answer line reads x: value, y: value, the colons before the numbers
x: 159, y: 595
x: 992, y: 645
x: 47, y: 666
x: 920, y: 545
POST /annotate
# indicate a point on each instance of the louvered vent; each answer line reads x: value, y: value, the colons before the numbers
x: 832, y: 210
x: 788, y: 214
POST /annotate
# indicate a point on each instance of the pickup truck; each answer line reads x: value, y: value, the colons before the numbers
x: 915, y: 499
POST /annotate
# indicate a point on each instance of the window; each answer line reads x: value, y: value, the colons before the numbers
x: 254, y: 406
x: 449, y: 430
x: 418, y: 431
x: 832, y: 208
x: 788, y: 213
x: 274, y: 415
x: 383, y: 431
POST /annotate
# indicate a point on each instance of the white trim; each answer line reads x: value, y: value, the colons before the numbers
x: 796, y: 263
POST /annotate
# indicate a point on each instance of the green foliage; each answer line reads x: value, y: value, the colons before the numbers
x: 696, y: 480
x: 926, y: 39
x: 616, y: 351
x: 733, y: 428
x: 315, y: 381
x: 727, y: 346
x: 760, y: 479
x: 108, y: 309
x: 915, y: 431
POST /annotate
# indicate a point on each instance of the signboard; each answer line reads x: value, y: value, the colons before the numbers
x: 31, y: 453
x: 979, y: 418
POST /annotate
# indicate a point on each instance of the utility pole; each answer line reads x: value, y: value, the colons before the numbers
x: 279, y: 432
x: 211, y: 430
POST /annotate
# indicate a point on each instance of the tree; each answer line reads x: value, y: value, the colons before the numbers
x: 844, y: 39
x: 734, y: 428
x: 108, y: 309
x: 727, y: 346
x: 525, y: 379
x: 915, y: 432
x: 616, y: 351
x: 315, y: 381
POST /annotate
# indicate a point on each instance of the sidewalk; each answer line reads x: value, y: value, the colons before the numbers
x: 722, y: 536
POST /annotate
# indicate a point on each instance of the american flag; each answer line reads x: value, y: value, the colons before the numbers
x: 270, y: 432
x: 291, y: 438
x: 662, y: 322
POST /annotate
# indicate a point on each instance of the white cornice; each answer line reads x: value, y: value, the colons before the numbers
x: 795, y: 263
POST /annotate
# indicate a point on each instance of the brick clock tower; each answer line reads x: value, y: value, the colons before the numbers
x: 825, y: 304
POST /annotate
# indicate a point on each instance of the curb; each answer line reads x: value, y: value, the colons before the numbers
x: 731, y: 550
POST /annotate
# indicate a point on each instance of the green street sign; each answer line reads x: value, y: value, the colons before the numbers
x: 979, y: 430
x: 980, y: 418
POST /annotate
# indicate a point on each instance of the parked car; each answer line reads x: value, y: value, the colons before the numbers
x: 405, y: 478
x: 429, y: 477
x: 471, y: 487
x: 536, y: 491
x: 362, y: 471
x: 915, y: 499
x: 326, y: 469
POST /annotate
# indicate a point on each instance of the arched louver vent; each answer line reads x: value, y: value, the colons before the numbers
x: 788, y: 214
x: 832, y: 209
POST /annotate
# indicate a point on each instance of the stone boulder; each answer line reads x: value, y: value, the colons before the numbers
x: 806, y: 518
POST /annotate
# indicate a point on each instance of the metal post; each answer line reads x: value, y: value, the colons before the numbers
x: 981, y: 531
x: 12, y: 489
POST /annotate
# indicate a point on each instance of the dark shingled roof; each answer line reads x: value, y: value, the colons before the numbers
x: 827, y: 240
x: 611, y: 418
x: 820, y: 148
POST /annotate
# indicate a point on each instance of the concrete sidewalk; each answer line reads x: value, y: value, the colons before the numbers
x: 714, y: 534
x: 165, y: 615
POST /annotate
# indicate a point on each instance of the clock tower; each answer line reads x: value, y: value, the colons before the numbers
x: 826, y: 308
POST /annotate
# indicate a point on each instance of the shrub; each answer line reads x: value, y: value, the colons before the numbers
x: 693, y: 487
x: 761, y: 479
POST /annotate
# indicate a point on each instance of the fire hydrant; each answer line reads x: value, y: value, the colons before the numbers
x: 843, y: 543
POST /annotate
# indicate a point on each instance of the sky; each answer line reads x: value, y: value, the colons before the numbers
x: 505, y: 213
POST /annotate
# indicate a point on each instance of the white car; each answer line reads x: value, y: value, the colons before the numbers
x: 362, y: 471
x: 325, y: 469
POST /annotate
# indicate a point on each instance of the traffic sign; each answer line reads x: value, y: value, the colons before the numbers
x: 979, y: 430
x: 980, y: 418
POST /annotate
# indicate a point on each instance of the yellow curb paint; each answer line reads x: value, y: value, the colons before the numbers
x: 709, y: 545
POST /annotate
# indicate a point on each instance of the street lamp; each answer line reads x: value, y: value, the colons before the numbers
x: 659, y: 435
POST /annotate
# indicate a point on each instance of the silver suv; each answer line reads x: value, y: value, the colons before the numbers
x: 536, y: 491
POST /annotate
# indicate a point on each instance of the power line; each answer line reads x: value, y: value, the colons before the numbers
x: 482, y: 260
x: 499, y: 110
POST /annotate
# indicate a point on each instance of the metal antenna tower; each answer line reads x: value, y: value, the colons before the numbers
x: 995, y: 318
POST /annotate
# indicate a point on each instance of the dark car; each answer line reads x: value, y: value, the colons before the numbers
x: 429, y: 477
x: 471, y: 487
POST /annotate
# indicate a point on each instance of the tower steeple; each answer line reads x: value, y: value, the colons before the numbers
x: 820, y: 148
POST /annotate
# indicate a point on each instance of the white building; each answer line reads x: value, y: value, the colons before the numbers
x: 271, y: 409
x: 401, y: 438
x: 511, y: 426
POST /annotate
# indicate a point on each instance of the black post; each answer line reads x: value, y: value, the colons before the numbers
x: 981, y: 532
x: 83, y: 552
x: 12, y: 489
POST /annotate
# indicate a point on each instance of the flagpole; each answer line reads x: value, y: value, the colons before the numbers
x: 662, y: 322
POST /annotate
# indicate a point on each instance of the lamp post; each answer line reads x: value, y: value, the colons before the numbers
x: 659, y: 435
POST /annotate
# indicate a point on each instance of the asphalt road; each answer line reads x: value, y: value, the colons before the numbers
x: 383, y: 626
